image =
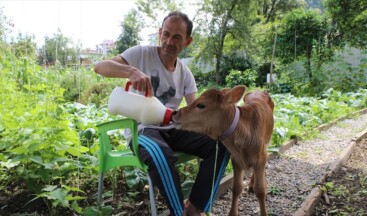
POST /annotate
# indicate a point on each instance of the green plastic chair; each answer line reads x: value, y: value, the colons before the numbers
x: 109, y: 158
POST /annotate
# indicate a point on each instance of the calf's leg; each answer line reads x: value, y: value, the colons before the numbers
x: 237, y: 187
x: 260, y: 186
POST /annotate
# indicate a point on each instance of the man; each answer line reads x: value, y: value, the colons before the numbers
x: 158, y: 71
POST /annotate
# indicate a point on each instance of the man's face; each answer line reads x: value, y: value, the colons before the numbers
x: 173, y: 36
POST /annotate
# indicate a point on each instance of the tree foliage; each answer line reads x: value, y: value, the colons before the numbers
x: 59, y: 49
x: 4, y: 47
x: 24, y: 46
x: 154, y: 9
x: 272, y: 10
x: 3, y: 22
x: 300, y: 32
x: 302, y: 40
x: 131, y: 27
x: 236, y: 77
x: 348, y: 22
x: 223, y: 23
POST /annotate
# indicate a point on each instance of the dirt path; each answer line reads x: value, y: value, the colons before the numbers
x: 346, y: 192
x: 292, y: 175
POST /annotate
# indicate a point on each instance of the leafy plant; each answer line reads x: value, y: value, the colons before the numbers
x: 203, y: 80
x: 247, y: 78
x: 135, y: 178
x: 97, y: 211
x: 298, y: 116
x: 274, y: 190
x: 61, y: 197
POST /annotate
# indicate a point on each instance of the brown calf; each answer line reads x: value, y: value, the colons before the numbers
x: 213, y: 112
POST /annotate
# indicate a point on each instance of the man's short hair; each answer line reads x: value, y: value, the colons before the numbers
x: 184, y: 17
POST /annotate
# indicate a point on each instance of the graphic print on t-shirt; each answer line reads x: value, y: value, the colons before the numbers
x: 164, y: 98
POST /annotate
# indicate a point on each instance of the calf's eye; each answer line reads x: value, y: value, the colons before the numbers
x: 200, y: 105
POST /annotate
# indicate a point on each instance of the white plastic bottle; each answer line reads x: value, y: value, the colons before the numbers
x: 147, y: 110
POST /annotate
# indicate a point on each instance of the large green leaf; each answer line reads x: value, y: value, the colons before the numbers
x: 135, y: 177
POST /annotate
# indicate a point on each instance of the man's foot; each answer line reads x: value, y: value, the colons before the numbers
x: 191, y: 210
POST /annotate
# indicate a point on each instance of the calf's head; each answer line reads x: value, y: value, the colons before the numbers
x: 211, y: 112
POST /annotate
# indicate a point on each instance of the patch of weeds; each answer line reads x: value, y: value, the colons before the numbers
x: 362, y: 180
x: 340, y: 191
x: 274, y: 190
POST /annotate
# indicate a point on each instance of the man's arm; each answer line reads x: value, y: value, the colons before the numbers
x: 190, y: 98
x: 118, y: 67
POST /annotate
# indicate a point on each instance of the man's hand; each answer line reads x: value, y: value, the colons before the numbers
x: 141, y: 82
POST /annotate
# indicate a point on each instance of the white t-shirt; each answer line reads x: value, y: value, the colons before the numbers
x: 169, y: 87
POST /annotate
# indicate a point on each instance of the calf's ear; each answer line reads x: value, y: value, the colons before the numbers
x: 225, y: 90
x: 234, y: 95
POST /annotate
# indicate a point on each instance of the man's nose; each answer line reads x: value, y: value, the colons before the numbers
x: 170, y: 40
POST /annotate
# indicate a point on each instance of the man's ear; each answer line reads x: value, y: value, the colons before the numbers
x: 188, y: 41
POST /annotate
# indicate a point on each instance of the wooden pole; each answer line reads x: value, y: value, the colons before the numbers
x: 295, y: 44
x: 272, y: 61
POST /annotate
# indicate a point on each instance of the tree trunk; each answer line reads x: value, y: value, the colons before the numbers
x: 217, y: 68
x: 223, y: 32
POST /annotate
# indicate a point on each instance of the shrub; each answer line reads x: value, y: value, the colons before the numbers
x: 247, y: 77
x: 76, y: 82
x: 203, y: 80
x: 234, y: 61
x: 97, y: 94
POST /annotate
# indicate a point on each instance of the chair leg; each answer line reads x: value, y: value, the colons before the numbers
x: 152, y: 198
x: 100, y: 188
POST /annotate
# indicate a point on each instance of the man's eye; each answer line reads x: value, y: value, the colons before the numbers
x: 177, y: 37
x: 200, y: 105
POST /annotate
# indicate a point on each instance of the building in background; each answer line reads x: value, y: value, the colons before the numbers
x: 105, y: 47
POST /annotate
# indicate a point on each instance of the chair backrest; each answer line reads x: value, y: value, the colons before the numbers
x: 105, y: 144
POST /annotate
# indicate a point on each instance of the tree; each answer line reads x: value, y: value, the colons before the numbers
x: 59, y: 49
x: 223, y: 24
x: 154, y: 9
x: 301, y: 46
x: 348, y: 22
x: 25, y: 46
x: 276, y: 9
x: 131, y: 26
x: 300, y: 32
x: 2, y: 23
x: 3, y: 46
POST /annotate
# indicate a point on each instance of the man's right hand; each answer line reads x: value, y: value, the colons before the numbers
x: 141, y: 82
